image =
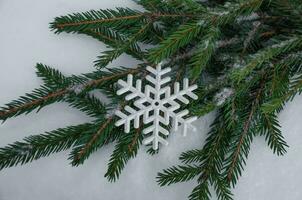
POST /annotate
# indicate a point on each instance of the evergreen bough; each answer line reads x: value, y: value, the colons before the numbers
x: 245, y: 56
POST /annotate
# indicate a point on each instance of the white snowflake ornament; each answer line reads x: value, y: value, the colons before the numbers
x: 155, y: 105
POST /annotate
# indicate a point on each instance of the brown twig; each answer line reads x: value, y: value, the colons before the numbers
x: 33, y: 103
x: 245, y: 131
x: 63, y: 92
x: 98, y: 81
x: 92, y: 31
x: 93, y: 139
x: 97, y: 21
x: 134, y: 141
x: 268, y: 34
x: 152, y: 15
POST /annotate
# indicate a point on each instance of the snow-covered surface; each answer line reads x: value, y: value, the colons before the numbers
x: 25, y: 39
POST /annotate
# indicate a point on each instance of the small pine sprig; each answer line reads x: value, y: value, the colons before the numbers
x: 126, y: 148
x: 178, y: 174
x: 37, y: 146
x: 93, y: 141
x: 181, y: 37
x: 96, y: 19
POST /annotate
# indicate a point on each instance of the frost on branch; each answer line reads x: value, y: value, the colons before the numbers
x: 222, y: 96
x: 156, y: 105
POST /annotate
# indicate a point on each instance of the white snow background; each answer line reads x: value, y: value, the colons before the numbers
x: 25, y: 39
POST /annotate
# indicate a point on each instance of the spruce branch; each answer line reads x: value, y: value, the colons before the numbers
x: 201, y: 191
x: 51, y: 77
x: 181, y: 37
x: 209, y: 161
x: 137, y: 138
x: 222, y: 189
x: 233, y: 10
x: 284, y: 86
x: 171, y: 6
x: 211, y: 158
x: 266, y: 55
x: 276, y: 104
x: 192, y: 156
x: 84, y: 102
x: 92, y: 142
x: 37, y: 146
x: 125, y: 149
x: 95, y: 19
x: 37, y: 99
x: 43, y: 96
x: 251, y: 37
x: 88, y: 104
x: 272, y: 132
x: 234, y: 163
x: 177, y: 174
x: 204, y: 52
x: 113, y: 38
x: 111, y: 18
x: 131, y: 43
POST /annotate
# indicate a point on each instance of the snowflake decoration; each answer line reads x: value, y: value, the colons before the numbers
x: 156, y: 105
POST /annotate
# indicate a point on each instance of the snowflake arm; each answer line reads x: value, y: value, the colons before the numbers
x: 128, y: 86
x: 155, y: 129
x: 156, y: 105
x: 133, y: 114
x: 178, y: 119
x: 180, y: 94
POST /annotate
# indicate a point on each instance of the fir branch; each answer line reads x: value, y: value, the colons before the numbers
x: 204, y: 52
x: 192, y: 156
x: 266, y: 55
x: 37, y: 99
x: 91, y: 143
x: 37, y: 146
x: 88, y: 104
x: 234, y: 162
x: 201, y: 191
x: 222, y: 189
x: 234, y: 10
x: 111, y: 18
x: 131, y: 43
x: 43, y: 96
x: 171, y: 6
x: 210, y: 160
x: 272, y: 132
x: 95, y: 19
x: 51, y: 77
x: 125, y: 149
x: 179, y: 38
x: 178, y: 174
x: 212, y: 157
x: 283, y: 86
x: 113, y: 39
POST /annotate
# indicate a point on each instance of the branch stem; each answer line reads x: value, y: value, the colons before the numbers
x: 63, y: 92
